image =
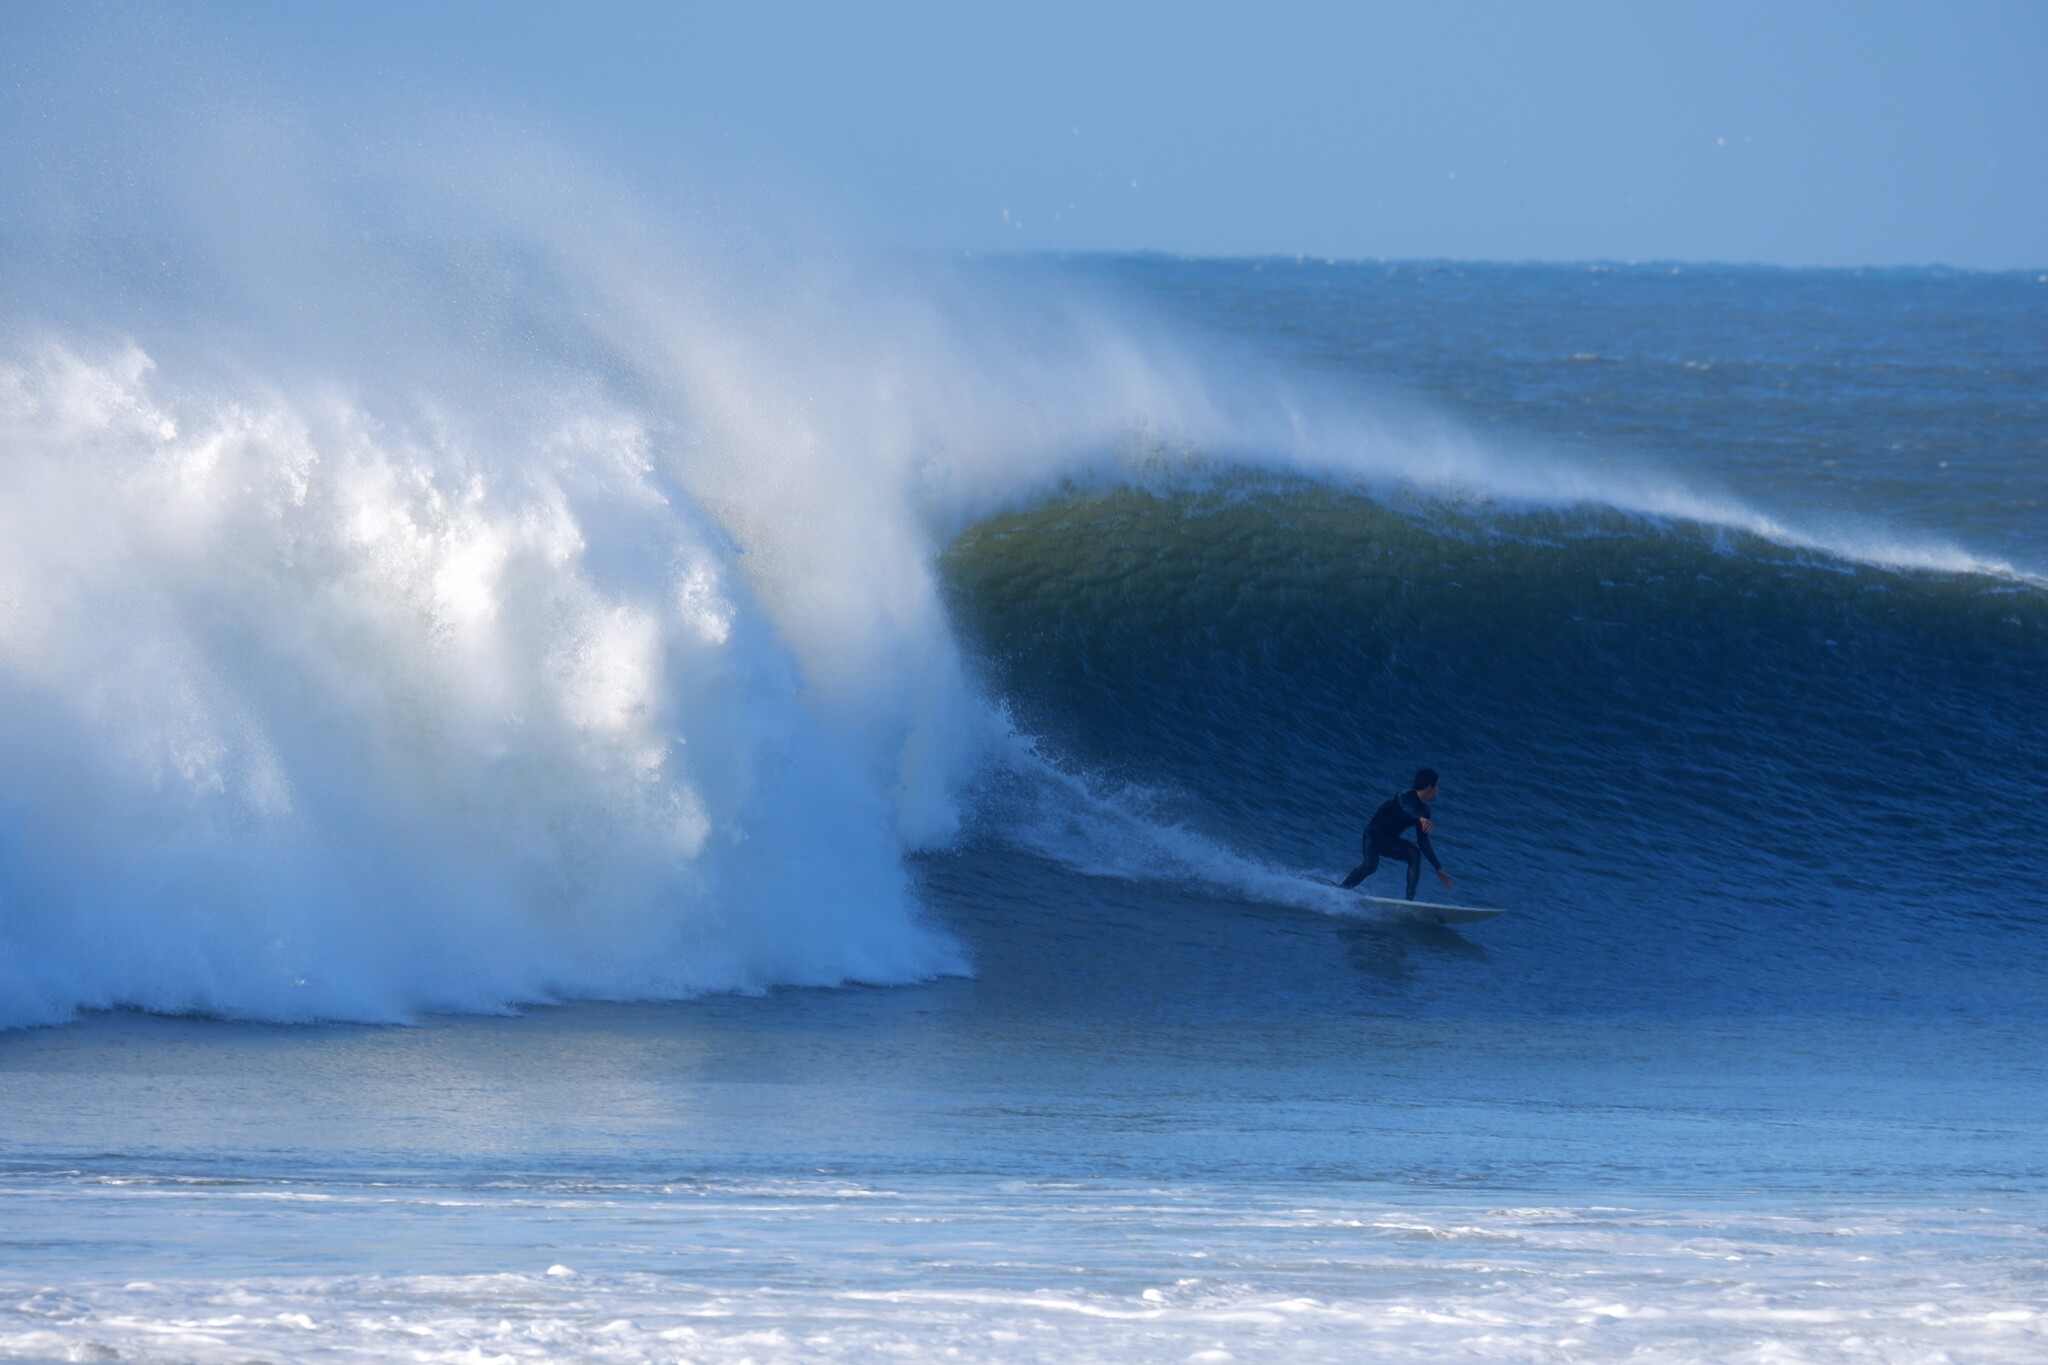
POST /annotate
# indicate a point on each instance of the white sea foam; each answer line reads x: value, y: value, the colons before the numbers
x: 406, y: 671
x: 1020, y: 1272
x: 1106, y: 829
x: 307, y: 718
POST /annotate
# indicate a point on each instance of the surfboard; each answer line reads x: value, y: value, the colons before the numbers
x: 1435, y: 914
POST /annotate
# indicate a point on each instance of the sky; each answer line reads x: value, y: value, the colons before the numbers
x: 1785, y: 133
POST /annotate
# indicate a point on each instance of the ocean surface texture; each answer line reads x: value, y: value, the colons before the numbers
x: 566, y: 798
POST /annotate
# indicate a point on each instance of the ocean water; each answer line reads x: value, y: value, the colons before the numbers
x: 582, y: 796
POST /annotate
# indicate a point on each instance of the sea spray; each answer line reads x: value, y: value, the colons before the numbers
x: 307, y: 717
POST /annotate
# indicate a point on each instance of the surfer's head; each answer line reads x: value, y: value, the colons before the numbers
x: 1425, y: 783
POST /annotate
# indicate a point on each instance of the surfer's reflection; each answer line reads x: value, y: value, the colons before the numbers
x: 1390, y: 953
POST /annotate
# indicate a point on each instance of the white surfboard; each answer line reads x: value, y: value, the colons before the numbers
x: 1434, y: 914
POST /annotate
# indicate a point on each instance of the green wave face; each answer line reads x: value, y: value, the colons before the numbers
x: 1634, y: 719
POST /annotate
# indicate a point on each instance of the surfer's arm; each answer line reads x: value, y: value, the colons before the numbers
x: 1422, y: 842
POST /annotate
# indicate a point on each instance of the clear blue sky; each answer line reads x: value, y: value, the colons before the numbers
x: 1836, y: 133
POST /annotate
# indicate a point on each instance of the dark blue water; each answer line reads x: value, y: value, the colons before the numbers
x: 1713, y: 773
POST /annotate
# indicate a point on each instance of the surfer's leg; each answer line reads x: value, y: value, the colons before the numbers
x: 1364, y: 869
x: 1413, y: 855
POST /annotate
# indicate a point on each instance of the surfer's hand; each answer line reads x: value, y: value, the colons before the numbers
x: 1427, y: 826
x: 1443, y: 876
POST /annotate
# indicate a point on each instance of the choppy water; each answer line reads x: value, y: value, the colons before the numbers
x: 1027, y: 642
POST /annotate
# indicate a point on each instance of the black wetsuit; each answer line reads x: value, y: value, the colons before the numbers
x: 1383, y: 840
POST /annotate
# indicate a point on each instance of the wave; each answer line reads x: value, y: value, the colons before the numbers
x: 567, y: 611
x: 1273, y: 652
x: 1708, y: 773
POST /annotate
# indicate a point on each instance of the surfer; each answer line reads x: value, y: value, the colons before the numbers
x: 1402, y: 811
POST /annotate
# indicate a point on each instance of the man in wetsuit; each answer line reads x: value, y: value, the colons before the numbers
x: 1409, y: 809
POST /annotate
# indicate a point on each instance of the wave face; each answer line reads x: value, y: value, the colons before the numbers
x: 473, y: 591
x: 1709, y: 770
